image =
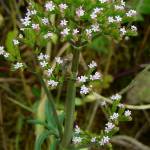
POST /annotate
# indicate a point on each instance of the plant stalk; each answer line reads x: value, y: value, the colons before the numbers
x: 70, y: 101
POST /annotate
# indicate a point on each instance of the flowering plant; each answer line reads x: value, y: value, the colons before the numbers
x: 77, y: 22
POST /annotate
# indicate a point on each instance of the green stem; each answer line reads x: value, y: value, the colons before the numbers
x: 70, y: 101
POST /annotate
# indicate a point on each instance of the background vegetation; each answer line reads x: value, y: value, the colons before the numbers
x: 121, y: 64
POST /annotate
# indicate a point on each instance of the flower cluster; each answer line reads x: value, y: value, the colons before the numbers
x: 117, y: 113
x: 78, y: 22
x: 3, y: 52
x: 90, y: 76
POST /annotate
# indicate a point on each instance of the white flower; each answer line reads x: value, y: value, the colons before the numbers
x: 114, y: 116
x: 63, y: 6
x: 52, y: 83
x: 109, y: 127
x: 48, y: 35
x: 46, y: 56
x: 35, y: 26
x: 88, y: 32
x: 58, y: 60
x: 65, y: 32
x: 104, y: 140
x: 119, y: 7
x: 16, y: 42
x: 43, y: 63
x: 118, y: 19
x: 97, y: 10
x: 123, y: 3
x: 123, y: 31
x: 45, y: 21
x: 111, y: 19
x: 93, y: 139
x: 95, y: 28
x: 80, y: 12
x: 131, y: 13
x: 127, y: 113
x: 20, y: 36
x: 75, y: 31
x: 84, y: 90
x: 116, y: 97
x: 18, y: 65
x: 63, y: 22
x: 93, y: 15
x: 50, y: 71
x: 26, y: 21
x: 6, y: 55
x: 121, y: 106
x: 103, y: 1
x: 82, y: 79
x: 93, y: 64
x: 2, y: 50
x: 77, y: 129
x: 49, y: 6
x: 76, y: 139
x: 96, y: 76
x: 41, y: 56
x: 134, y: 28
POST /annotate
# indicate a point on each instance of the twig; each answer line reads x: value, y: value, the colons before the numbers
x: 136, y: 144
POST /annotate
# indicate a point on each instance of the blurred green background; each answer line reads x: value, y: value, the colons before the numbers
x: 120, y: 64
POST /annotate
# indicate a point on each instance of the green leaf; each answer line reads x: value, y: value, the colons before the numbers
x: 13, y: 50
x: 40, y: 140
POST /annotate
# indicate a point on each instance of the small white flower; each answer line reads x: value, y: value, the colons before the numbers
x: 65, y: 32
x: 45, y: 21
x: 114, y: 116
x: 123, y: 31
x: 119, y: 7
x: 48, y: 35
x: 116, y: 97
x: 16, y: 42
x: 58, y: 60
x: 127, y: 113
x: 80, y: 12
x: 92, y: 65
x: 33, y: 12
x: 95, y: 28
x: 63, y: 6
x: 118, y: 19
x: 104, y: 140
x: 46, y: 56
x: 123, y: 3
x: 6, y: 55
x: 103, y: 1
x: 50, y: 71
x: 43, y: 63
x: 18, y: 65
x: 131, y: 13
x: 93, y: 139
x: 52, y: 83
x: 77, y: 129
x: 76, y: 140
x: 26, y: 21
x: 49, y: 6
x: 82, y: 79
x: 63, y: 22
x: 2, y: 50
x: 97, y: 10
x: 88, y: 32
x: 96, y: 76
x: 111, y: 19
x: 84, y: 90
x: 41, y: 56
x: 75, y: 31
x: 121, y: 106
x: 35, y: 26
x: 109, y: 127
x: 134, y: 28
x: 93, y: 15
